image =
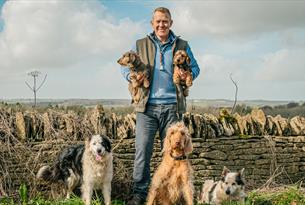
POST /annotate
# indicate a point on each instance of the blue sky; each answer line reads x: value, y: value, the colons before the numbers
x: 1, y: 20
x: 77, y: 43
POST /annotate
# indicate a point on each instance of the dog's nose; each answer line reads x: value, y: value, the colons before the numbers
x: 99, y: 151
x: 228, y: 192
x: 178, y: 143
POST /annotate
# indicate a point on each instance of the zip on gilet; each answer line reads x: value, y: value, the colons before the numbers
x: 147, y: 51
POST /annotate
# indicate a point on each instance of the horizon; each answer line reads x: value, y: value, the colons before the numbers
x: 77, y: 44
x: 189, y: 99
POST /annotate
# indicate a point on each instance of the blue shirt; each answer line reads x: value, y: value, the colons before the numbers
x: 162, y: 87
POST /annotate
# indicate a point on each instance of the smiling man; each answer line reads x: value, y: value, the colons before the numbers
x: 164, y: 103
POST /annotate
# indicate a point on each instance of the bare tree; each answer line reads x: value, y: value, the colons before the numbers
x: 236, y: 91
x: 35, y: 74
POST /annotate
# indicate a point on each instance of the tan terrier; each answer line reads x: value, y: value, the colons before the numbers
x: 173, y: 179
x: 182, y: 71
x: 230, y: 188
x: 139, y: 75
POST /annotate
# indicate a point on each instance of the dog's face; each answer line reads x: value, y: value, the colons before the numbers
x: 232, y: 182
x: 178, y: 139
x: 128, y: 59
x: 99, y: 145
x: 181, y: 58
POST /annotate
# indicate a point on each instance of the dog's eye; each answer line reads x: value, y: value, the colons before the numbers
x: 94, y: 143
x: 226, y: 183
x: 233, y: 184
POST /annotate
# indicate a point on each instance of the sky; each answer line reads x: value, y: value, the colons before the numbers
x: 77, y: 43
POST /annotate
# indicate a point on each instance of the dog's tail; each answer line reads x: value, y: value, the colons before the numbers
x: 47, y: 173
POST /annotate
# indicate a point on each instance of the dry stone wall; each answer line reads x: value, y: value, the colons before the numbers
x: 262, y: 157
x: 59, y: 124
x: 265, y: 146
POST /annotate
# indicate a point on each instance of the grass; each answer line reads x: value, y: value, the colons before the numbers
x: 41, y: 201
x: 283, y: 196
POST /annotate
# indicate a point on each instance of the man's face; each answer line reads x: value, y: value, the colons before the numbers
x: 161, y: 24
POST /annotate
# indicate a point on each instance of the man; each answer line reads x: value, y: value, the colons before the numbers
x: 164, y: 102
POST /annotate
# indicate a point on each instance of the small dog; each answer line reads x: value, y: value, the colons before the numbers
x: 139, y: 75
x: 182, y: 71
x: 88, y: 166
x: 174, y: 176
x: 230, y: 188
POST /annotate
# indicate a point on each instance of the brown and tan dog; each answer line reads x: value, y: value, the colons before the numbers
x: 139, y: 75
x: 182, y: 71
x: 174, y: 176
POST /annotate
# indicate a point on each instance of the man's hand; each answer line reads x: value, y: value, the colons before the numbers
x: 140, y: 77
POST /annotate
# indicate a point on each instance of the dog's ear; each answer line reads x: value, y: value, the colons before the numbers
x: 241, y: 172
x: 188, y: 147
x: 225, y: 171
x: 87, y: 140
x: 167, y: 140
x: 188, y: 60
x: 132, y: 57
x: 167, y: 143
x: 106, y: 143
x: 240, y: 177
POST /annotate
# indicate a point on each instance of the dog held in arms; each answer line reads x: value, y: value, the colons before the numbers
x: 182, y: 71
x: 173, y: 179
x: 139, y: 75
x: 88, y: 166
x: 230, y: 188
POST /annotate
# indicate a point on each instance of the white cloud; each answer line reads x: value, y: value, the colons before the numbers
x: 284, y: 65
x: 216, y: 69
x: 236, y: 18
x: 60, y: 34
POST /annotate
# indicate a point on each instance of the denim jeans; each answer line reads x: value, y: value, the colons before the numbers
x: 156, y: 117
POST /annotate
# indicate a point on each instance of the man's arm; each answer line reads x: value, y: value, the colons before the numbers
x: 194, y: 66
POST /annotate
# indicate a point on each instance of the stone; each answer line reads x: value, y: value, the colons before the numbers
x: 281, y: 125
x: 214, y: 123
x: 259, y: 121
x: 297, y: 125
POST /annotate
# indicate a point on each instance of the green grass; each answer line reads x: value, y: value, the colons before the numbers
x: 41, y: 201
x: 287, y: 196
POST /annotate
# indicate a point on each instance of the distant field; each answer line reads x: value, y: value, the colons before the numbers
x: 122, y: 106
x: 126, y: 102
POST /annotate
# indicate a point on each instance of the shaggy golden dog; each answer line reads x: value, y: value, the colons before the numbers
x: 173, y: 179
x: 182, y: 71
x: 230, y: 188
x: 138, y: 74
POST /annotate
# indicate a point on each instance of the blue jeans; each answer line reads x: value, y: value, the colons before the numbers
x: 156, y: 117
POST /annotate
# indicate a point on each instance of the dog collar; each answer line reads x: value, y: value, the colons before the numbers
x: 182, y: 157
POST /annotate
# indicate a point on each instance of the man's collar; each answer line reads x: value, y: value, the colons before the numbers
x: 171, y: 37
